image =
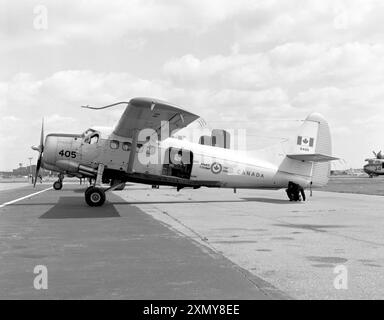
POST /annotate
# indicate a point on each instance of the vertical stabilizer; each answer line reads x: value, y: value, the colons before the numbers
x: 311, y: 152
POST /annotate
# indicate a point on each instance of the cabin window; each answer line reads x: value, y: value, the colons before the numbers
x: 114, y: 144
x: 139, y: 147
x: 126, y: 146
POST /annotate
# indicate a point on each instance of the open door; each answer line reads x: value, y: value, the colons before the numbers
x: 178, y: 163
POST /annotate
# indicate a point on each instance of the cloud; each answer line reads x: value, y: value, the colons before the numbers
x: 290, y: 65
x: 258, y: 62
x: 315, y: 21
x: 106, y: 21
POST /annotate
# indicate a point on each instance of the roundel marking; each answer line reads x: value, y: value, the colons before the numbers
x: 216, y: 168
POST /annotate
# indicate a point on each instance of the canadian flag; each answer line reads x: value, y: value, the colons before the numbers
x: 305, y: 141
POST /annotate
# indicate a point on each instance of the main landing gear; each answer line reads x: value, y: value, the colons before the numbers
x: 58, y: 185
x: 95, y: 195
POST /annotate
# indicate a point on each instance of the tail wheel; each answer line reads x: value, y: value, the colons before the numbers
x: 57, y: 185
x: 95, y: 197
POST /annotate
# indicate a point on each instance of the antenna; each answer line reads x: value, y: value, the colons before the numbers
x: 105, y: 107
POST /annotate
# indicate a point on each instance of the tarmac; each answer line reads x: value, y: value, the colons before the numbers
x: 194, y: 244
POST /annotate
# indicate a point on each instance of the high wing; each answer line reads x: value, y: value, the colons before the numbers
x: 144, y: 113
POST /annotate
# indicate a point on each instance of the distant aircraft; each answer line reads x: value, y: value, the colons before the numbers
x: 375, y: 166
x: 137, y: 150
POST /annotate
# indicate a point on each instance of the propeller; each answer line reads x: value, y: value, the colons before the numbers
x: 39, y: 149
x: 378, y: 155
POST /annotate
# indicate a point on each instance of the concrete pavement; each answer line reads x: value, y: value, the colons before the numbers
x: 114, y: 252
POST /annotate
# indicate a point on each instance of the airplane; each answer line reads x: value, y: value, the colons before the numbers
x: 375, y: 166
x: 142, y: 148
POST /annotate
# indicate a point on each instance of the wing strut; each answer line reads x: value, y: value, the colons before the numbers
x: 133, y: 151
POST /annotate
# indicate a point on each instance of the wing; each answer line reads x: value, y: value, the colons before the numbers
x: 144, y: 113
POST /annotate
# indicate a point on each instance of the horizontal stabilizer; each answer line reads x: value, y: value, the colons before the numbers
x: 315, y: 157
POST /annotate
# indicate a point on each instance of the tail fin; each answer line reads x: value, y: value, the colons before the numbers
x: 312, y: 152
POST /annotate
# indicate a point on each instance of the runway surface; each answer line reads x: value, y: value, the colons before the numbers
x: 114, y: 252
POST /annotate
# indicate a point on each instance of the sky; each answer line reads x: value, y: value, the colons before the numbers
x: 261, y: 65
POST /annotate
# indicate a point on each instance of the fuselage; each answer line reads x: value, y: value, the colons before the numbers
x: 169, y: 162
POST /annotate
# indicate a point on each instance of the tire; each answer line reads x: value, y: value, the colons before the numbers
x: 94, y: 197
x: 57, y: 185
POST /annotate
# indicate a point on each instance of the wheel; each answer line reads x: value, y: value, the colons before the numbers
x: 86, y: 190
x: 57, y: 185
x: 94, y: 197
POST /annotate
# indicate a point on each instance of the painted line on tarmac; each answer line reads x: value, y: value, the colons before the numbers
x: 25, y: 197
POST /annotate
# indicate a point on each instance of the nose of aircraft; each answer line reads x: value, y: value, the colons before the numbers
x: 50, y: 149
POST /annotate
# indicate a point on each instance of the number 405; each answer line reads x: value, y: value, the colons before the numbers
x: 68, y: 154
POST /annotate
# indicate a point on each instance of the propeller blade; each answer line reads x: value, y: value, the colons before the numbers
x: 40, y: 149
x: 37, y: 171
x: 42, y: 136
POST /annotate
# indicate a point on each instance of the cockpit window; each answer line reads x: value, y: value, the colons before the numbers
x: 88, y: 132
x: 114, y: 144
x: 90, y: 136
x: 94, y: 139
x: 91, y: 139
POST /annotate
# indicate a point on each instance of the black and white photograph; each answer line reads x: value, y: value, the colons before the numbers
x: 191, y: 150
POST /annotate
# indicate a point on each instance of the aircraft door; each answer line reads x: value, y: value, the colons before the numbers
x: 178, y: 163
x: 147, y: 159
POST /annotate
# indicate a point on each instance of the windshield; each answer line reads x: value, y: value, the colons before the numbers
x: 90, y: 136
x: 88, y: 132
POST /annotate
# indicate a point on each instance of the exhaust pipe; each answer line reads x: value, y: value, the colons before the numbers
x: 87, y: 169
x: 74, y: 167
